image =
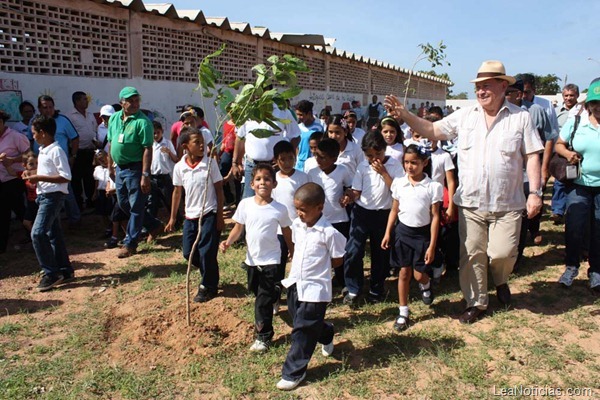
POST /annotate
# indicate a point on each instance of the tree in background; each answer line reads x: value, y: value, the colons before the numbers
x: 546, y: 84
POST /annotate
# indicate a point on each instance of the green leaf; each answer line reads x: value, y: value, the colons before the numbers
x: 235, y: 84
x: 273, y: 59
x: 262, y: 133
x: 291, y: 92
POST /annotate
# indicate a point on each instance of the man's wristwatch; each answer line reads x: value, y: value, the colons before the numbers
x: 539, y: 193
x: 146, y: 174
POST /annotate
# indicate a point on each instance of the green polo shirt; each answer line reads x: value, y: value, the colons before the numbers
x: 129, y: 137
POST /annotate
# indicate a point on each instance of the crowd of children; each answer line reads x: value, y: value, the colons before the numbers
x: 352, y: 188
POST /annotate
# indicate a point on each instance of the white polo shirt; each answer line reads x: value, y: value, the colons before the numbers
x: 161, y: 162
x: 351, y: 156
x: 86, y: 126
x: 396, y: 151
x: 261, y: 149
x: 415, y: 201
x: 261, y: 223
x: 193, y: 181
x: 333, y: 185
x: 358, y: 135
x: 491, y: 160
x: 53, y: 161
x: 102, y: 176
x: 441, y: 162
x: 311, y: 266
x: 310, y: 163
x: 374, y: 193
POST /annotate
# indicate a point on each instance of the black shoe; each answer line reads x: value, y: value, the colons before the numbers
x: 401, y: 323
x: 204, y: 295
x: 111, y: 243
x: 67, y: 275
x: 373, y: 298
x: 426, y: 294
x: 470, y: 315
x: 350, y: 299
x: 48, y: 282
x: 503, y: 294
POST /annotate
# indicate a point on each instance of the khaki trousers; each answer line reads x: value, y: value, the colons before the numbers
x: 487, y: 239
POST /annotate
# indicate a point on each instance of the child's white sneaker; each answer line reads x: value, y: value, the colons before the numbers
x: 259, y: 346
x: 327, y: 349
x: 284, y: 384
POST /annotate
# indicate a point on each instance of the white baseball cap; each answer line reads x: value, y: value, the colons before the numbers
x: 107, y: 110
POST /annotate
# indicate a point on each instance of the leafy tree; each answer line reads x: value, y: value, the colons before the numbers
x: 546, y: 84
x: 434, y: 55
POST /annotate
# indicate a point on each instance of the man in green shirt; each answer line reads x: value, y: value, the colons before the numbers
x: 130, y: 136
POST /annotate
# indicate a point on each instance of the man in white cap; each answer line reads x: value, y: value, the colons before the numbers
x: 495, y: 138
x: 101, y: 138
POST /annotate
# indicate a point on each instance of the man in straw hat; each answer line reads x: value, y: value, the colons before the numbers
x: 495, y: 138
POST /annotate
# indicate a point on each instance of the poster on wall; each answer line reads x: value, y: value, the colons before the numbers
x: 9, y: 102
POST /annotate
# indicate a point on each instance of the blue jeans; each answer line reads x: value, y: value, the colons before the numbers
x: 366, y: 224
x: 248, y: 167
x: 47, y: 236
x: 205, y: 256
x: 559, y: 198
x: 583, y: 215
x: 133, y: 201
x: 71, y: 207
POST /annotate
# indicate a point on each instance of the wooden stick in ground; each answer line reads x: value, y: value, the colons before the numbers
x: 195, y: 245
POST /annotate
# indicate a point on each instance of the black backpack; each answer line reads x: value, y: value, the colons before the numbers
x: 374, y: 110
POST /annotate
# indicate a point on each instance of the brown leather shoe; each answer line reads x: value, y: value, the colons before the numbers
x: 471, y: 315
x: 125, y: 252
x: 503, y: 294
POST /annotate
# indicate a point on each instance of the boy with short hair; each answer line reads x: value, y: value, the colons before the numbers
x: 319, y: 246
x: 52, y: 177
x: 262, y: 216
x: 334, y: 179
x: 289, y: 180
x: 190, y: 174
x: 313, y: 143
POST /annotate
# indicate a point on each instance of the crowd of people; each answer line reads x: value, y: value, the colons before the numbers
x: 428, y: 189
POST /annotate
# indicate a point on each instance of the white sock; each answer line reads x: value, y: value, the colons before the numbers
x: 404, y: 311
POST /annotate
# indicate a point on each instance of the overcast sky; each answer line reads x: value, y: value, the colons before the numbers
x: 543, y: 37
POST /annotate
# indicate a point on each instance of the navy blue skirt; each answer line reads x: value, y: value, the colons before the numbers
x: 410, y: 246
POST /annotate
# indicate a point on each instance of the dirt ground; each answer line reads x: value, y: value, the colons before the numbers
x: 139, y: 307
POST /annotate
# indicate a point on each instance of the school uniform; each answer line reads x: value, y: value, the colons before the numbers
x: 104, y: 204
x: 161, y: 172
x: 396, y: 151
x: 413, y: 230
x: 263, y: 256
x: 193, y: 180
x: 351, y: 156
x: 369, y: 220
x: 46, y: 233
x: 309, y: 291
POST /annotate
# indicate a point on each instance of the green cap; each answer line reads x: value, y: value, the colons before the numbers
x: 594, y: 91
x: 128, y: 92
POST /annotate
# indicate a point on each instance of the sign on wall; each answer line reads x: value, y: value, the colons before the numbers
x: 9, y: 102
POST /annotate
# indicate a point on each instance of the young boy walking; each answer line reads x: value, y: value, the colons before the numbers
x: 52, y: 177
x: 319, y: 246
x: 190, y: 175
x: 261, y: 216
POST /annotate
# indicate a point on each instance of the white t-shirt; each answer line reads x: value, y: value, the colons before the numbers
x: 101, y: 174
x: 351, y: 157
x: 311, y: 266
x: 310, y: 163
x: 333, y: 185
x: 415, y: 201
x: 396, y: 151
x: 161, y: 162
x: 53, y: 161
x: 101, y: 135
x: 193, y: 181
x: 441, y: 162
x: 261, y: 149
x: 261, y: 223
x: 285, y: 190
x: 375, y: 194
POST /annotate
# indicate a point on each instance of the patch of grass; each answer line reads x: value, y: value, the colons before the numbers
x: 576, y: 352
x: 148, y: 282
x: 10, y: 329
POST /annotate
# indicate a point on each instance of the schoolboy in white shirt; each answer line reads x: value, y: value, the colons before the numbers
x: 190, y: 175
x: 164, y: 158
x: 319, y: 246
x: 262, y: 216
x: 52, y: 177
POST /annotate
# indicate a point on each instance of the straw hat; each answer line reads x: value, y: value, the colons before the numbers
x: 492, y: 69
